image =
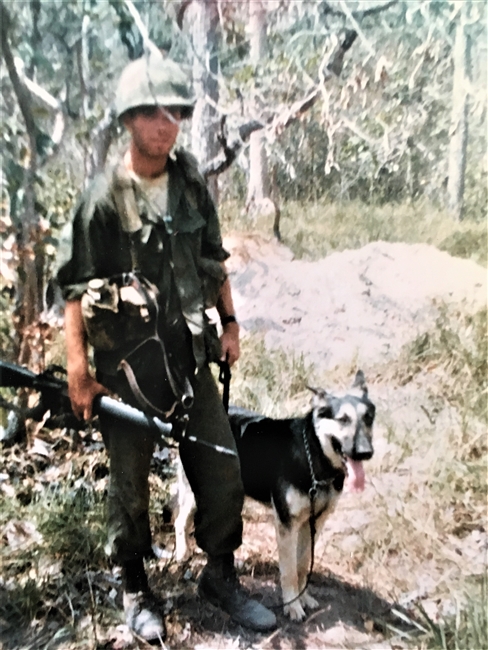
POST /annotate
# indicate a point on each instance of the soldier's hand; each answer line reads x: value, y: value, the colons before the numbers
x: 230, y: 343
x: 82, y: 390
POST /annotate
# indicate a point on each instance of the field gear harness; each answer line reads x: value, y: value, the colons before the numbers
x: 131, y: 223
x: 145, y: 297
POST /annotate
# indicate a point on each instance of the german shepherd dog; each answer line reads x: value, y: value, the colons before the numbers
x: 294, y: 466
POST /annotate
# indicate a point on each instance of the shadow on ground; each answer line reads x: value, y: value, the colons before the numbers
x: 348, y: 616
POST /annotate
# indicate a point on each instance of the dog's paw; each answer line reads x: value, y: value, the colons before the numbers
x: 294, y: 611
x: 308, y: 601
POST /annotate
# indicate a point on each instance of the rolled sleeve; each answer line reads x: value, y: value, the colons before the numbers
x: 86, y: 245
x: 211, y: 237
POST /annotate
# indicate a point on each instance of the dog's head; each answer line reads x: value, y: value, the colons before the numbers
x: 344, y: 421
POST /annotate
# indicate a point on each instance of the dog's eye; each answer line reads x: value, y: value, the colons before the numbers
x: 345, y: 419
x: 368, y: 420
x: 325, y: 412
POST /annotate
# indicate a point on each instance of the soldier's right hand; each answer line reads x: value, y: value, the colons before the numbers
x: 82, y: 390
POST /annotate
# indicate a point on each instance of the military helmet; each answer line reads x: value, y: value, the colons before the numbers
x: 154, y: 80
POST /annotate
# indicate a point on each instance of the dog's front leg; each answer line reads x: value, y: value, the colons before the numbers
x: 184, y: 520
x: 304, y: 551
x: 287, y: 539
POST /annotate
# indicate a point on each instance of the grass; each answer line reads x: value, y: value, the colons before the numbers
x: 466, y: 628
x: 314, y: 230
x: 429, y: 497
x: 272, y: 382
x: 430, y: 516
x: 53, y: 525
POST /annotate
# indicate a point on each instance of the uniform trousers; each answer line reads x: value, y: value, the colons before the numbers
x: 214, y: 477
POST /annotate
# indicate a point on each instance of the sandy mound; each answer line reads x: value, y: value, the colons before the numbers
x: 355, y: 306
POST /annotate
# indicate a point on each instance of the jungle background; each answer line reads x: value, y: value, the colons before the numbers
x: 356, y: 218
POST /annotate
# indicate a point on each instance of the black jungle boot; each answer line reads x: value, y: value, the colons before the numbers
x: 141, y: 608
x: 220, y: 586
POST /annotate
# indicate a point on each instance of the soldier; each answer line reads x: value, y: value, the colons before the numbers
x: 149, y: 224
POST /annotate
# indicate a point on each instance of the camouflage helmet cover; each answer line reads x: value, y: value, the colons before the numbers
x: 154, y: 81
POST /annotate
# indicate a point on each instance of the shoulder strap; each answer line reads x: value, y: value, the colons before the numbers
x: 125, y: 202
x: 195, y: 183
x: 189, y: 165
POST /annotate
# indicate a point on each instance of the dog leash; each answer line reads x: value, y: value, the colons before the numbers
x: 225, y: 376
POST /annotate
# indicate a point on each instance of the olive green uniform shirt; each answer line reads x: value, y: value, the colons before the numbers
x: 179, y: 251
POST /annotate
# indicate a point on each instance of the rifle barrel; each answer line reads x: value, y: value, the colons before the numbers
x: 104, y: 405
x: 55, y: 393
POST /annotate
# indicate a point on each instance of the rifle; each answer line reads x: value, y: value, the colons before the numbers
x: 54, y: 398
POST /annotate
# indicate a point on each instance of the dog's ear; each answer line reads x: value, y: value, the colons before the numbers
x: 360, y: 383
x: 319, y: 396
x: 320, y: 392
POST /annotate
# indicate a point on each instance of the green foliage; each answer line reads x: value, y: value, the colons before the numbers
x: 72, y: 520
x: 469, y: 243
x: 468, y: 628
x: 55, y: 526
x: 326, y: 227
x: 381, y: 133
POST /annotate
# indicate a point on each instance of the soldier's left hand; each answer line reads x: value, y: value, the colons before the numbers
x: 230, y: 343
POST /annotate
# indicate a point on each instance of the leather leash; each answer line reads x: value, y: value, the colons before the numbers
x: 225, y: 376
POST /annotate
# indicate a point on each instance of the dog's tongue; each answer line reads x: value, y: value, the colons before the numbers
x: 355, y: 475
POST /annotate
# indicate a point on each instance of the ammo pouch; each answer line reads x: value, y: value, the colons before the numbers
x: 123, y: 310
x: 119, y: 310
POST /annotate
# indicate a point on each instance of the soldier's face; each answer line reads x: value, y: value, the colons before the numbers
x: 154, y: 130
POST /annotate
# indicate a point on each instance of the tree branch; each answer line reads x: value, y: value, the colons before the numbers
x: 358, y: 15
x: 229, y: 152
x: 335, y: 63
x: 355, y: 24
x: 20, y: 90
x: 148, y: 44
x: 180, y: 12
x: 289, y: 115
x: 34, y: 87
x: 50, y: 101
x: 280, y: 121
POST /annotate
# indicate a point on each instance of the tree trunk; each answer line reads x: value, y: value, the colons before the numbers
x: 204, y: 24
x: 459, y: 117
x: 258, y: 191
x: 30, y: 285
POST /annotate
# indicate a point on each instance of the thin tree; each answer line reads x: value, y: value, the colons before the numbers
x: 459, y: 115
x: 203, y: 20
x: 258, y: 189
